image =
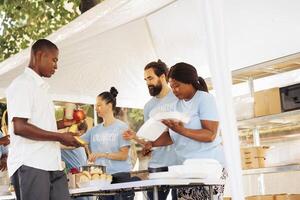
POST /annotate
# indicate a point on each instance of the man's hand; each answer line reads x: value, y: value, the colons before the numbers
x: 147, y: 148
x: 4, y: 140
x: 68, y: 139
x: 129, y: 135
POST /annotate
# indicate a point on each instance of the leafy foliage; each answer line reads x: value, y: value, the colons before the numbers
x: 23, y: 21
x: 135, y: 118
x: 2, y: 109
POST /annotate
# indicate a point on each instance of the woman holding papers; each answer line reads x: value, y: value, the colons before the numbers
x: 105, y: 140
x: 199, y: 137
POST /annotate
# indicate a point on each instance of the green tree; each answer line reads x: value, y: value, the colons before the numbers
x: 135, y: 118
x: 24, y: 21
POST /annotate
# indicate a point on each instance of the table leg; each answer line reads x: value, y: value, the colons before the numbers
x: 155, y: 193
x: 211, y: 192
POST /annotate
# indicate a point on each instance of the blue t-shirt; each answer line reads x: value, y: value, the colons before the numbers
x: 3, y: 149
x: 161, y: 156
x: 109, y: 139
x: 201, y: 107
x: 74, y: 158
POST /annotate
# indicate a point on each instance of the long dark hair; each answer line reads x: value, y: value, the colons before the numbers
x: 187, y: 74
x: 110, y: 97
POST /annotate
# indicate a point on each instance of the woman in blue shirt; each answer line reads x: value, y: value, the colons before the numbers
x: 105, y: 140
x: 199, y: 137
x: 4, y: 141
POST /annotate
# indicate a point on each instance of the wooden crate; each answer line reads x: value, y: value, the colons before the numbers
x: 267, y: 102
x: 253, y: 157
x: 287, y: 197
x: 261, y: 197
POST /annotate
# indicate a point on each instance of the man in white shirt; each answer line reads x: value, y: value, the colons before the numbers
x: 34, y: 160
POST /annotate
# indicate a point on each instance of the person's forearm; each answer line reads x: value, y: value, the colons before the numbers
x: 30, y: 131
x: 163, y: 140
x: 201, y: 135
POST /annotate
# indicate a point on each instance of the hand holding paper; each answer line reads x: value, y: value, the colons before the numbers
x: 153, y: 127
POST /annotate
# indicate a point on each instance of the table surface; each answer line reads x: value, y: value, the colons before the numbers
x: 138, y: 184
x: 147, y: 183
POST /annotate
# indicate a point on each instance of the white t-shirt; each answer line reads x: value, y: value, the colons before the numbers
x: 27, y: 98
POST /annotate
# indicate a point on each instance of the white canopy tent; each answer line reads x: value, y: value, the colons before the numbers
x: 110, y: 44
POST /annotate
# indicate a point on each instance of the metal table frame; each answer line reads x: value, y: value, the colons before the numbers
x: 136, y: 186
x: 144, y: 185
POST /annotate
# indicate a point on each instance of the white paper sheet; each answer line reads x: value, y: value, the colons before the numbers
x: 153, y: 127
x: 185, y: 118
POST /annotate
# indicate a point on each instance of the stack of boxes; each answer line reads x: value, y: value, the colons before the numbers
x: 271, y: 197
x: 267, y: 102
x: 276, y: 100
x: 253, y: 157
x: 275, y: 197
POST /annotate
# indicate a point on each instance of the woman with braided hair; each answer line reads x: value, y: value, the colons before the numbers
x: 198, y: 138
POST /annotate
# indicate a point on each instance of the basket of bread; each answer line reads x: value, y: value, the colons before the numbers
x: 92, y: 175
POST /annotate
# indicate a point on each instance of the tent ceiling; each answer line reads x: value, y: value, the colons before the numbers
x: 110, y: 44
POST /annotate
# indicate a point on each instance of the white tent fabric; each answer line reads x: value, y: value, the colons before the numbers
x: 124, y: 35
x: 213, y: 13
x: 110, y: 44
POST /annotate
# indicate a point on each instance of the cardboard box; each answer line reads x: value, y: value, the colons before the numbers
x: 287, y: 197
x: 71, y: 181
x: 267, y: 102
x: 253, y: 163
x: 261, y: 197
x: 253, y: 157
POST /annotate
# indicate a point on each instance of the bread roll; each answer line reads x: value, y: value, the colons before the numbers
x: 103, y: 177
x: 87, y: 174
x: 83, y: 178
x: 96, y: 171
x: 95, y: 176
x: 109, y: 177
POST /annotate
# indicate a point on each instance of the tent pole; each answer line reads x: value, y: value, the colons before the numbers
x: 221, y: 78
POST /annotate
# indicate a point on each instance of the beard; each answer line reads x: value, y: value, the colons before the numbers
x: 154, y: 90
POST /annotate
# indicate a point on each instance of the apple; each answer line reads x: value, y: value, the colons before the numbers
x: 78, y: 115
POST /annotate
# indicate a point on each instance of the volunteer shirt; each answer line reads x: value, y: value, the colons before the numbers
x: 201, y: 107
x: 109, y: 139
x: 74, y: 158
x: 27, y: 97
x: 161, y: 156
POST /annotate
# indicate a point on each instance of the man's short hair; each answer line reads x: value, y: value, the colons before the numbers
x: 158, y: 67
x: 43, y: 44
